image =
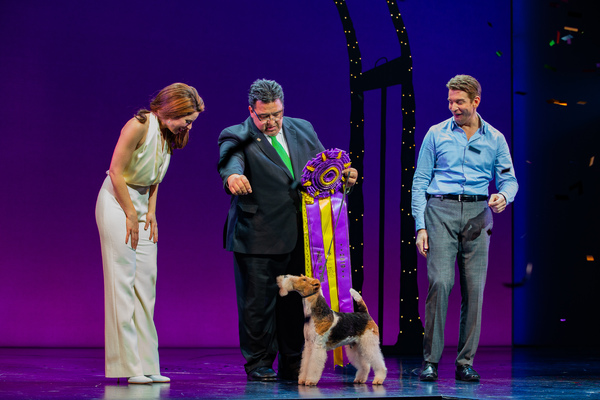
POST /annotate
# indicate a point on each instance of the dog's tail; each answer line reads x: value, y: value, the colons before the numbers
x: 362, y: 307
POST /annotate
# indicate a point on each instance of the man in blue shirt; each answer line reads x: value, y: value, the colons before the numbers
x: 453, y: 215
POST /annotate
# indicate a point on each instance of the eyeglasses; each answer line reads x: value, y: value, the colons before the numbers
x: 264, y: 117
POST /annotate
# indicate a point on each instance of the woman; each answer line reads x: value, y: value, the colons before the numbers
x: 126, y: 218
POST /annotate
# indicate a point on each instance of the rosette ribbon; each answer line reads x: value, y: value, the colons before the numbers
x: 326, y: 239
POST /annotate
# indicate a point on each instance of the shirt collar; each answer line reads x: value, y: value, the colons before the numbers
x: 483, y: 128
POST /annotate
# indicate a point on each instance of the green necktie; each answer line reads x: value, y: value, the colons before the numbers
x: 282, y: 154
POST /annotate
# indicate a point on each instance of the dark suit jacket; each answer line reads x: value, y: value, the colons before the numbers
x: 265, y: 221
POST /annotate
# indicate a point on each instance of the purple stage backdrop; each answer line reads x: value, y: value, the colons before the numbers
x: 72, y: 73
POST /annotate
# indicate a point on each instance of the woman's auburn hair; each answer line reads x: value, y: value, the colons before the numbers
x: 174, y: 101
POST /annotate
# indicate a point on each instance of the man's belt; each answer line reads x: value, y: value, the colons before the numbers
x: 458, y: 197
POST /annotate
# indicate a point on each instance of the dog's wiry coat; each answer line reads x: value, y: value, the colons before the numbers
x: 326, y: 329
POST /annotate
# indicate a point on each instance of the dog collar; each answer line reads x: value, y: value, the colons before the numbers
x: 304, y: 297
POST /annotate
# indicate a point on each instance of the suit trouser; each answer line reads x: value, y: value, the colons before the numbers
x: 131, y: 341
x: 269, y: 323
x: 458, y: 231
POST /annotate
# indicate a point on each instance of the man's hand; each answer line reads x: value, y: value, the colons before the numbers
x: 423, y: 242
x: 351, y: 175
x: 238, y: 184
x: 497, y: 203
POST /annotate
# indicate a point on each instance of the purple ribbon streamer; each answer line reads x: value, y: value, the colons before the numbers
x: 317, y: 247
x: 342, y: 252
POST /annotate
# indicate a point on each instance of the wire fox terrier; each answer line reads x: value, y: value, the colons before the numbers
x: 325, y: 330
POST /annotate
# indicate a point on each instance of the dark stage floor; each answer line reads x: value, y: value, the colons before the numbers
x: 27, y: 373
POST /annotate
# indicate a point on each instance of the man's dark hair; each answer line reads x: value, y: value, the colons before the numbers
x: 266, y: 91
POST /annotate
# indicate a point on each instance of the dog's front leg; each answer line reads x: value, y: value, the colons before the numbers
x: 306, y: 354
x: 315, y: 364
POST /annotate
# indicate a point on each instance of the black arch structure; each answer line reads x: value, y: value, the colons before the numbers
x: 394, y: 72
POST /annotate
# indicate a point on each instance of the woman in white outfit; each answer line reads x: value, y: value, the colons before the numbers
x: 126, y: 218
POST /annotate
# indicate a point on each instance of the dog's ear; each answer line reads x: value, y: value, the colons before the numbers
x: 281, y: 282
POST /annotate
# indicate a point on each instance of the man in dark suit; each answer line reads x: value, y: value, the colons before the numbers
x: 261, y: 162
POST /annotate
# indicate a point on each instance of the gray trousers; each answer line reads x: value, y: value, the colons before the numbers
x: 458, y: 231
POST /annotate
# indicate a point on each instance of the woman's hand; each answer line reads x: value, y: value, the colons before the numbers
x: 151, y: 221
x: 133, y: 233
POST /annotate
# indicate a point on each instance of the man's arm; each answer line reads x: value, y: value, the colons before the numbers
x: 231, y: 163
x: 506, y: 181
x: 422, y: 179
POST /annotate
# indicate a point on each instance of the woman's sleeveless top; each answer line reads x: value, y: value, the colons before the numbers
x: 150, y: 161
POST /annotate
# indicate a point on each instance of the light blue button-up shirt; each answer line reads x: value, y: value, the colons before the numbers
x: 448, y: 163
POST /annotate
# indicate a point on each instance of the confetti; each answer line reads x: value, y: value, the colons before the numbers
x: 528, y: 271
x: 552, y: 43
x: 592, y: 161
x: 490, y: 24
x: 568, y: 28
x: 589, y: 258
x: 577, y: 185
x: 557, y: 102
x: 582, y: 102
x: 567, y: 37
x: 521, y: 93
x: 499, y: 53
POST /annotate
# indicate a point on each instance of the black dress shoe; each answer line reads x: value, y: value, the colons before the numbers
x: 429, y: 372
x: 263, y: 374
x: 466, y: 373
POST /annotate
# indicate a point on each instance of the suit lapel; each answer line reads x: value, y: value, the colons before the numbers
x: 266, y: 147
x: 291, y: 137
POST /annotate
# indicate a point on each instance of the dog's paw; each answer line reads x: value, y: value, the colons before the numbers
x: 359, y: 380
x: 311, y: 383
x: 378, y: 381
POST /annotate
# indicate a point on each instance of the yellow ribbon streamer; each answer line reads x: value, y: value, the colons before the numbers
x: 308, y: 268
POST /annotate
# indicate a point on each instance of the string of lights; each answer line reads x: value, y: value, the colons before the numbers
x: 410, y: 337
x: 397, y: 71
x: 356, y: 151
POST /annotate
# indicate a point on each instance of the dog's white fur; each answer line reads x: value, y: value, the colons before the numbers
x: 361, y: 344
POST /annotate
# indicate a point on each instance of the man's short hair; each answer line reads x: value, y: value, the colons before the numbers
x: 465, y: 83
x: 266, y: 91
